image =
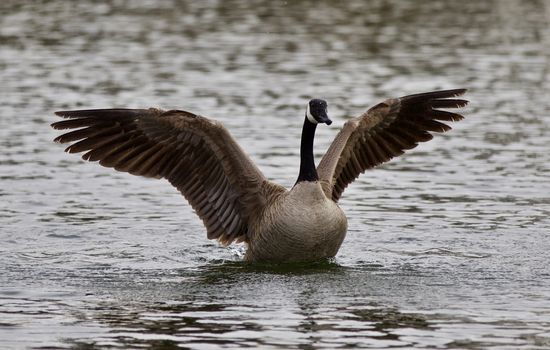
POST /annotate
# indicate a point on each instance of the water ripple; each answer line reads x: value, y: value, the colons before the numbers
x: 447, y: 246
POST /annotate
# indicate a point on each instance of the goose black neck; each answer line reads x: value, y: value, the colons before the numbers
x: 308, y: 172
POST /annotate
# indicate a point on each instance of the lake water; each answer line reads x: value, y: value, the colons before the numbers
x: 448, y: 246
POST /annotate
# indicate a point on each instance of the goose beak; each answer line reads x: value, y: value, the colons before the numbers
x: 323, y: 118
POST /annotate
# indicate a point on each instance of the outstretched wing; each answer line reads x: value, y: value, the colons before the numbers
x: 196, y: 155
x: 383, y: 132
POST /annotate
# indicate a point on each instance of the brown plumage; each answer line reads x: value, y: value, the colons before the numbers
x: 195, y: 154
x: 383, y: 132
x: 235, y: 201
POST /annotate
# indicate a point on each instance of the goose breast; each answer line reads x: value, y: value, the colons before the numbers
x: 302, y: 225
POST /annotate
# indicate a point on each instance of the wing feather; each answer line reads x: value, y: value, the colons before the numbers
x: 196, y: 155
x: 385, y: 131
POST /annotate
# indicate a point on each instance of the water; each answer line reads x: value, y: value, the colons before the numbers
x: 447, y: 246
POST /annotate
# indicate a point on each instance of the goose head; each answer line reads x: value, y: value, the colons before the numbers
x: 316, y: 112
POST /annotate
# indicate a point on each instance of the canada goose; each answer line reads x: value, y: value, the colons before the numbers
x: 235, y: 201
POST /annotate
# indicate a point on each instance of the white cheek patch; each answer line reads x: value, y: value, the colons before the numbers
x: 310, y: 117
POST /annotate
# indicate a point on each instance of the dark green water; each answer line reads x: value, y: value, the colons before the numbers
x: 447, y: 246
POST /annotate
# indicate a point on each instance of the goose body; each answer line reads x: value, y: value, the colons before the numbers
x: 236, y: 203
x: 285, y: 234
